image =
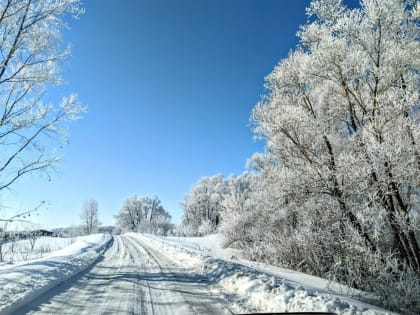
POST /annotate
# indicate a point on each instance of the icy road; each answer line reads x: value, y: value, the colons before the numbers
x: 131, y: 278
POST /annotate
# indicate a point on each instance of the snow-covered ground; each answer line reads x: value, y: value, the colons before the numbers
x: 131, y: 278
x: 29, y: 249
x: 258, y: 287
x: 166, y: 275
x: 24, y: 281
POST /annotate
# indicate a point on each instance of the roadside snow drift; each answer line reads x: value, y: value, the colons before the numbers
x: 258, y: 290
x: 24, y: 282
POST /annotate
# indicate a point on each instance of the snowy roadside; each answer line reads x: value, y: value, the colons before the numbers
x: 22, y: 250
x: 22, y: 283
x: 260, y: 287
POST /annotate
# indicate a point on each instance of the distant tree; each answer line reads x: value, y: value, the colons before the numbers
x: 203, y: 206
x: 31, y: 53
x: 145, y: 214
x: 130, y: 215
x: 89, y: 216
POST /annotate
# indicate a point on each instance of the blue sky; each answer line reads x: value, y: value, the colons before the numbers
x: 170, y: 86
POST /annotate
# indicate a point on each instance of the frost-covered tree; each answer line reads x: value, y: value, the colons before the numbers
x: 31, y: 53
x: 89, y: 216
x: 337, y: 191
x: 238, y: 212
x: 156, y: 219
x: 130, y: 215
x: 145, y: 214
x: 203, y: 206
x: 341, y: 121
x: 342, y: 115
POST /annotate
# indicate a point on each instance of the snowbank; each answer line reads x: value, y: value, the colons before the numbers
x: 20, y: 284
x: 262, y: 288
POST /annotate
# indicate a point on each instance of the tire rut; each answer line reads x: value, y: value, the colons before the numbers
x: 166, y: 266
x: 132, y: 278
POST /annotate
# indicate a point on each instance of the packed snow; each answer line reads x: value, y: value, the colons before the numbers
x: 218, y: 278
x: 20, y: 283
x: 258, y: 287
x: 130, y: 278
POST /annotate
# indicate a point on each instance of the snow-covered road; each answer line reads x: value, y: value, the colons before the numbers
x: 131, y: 278
x: 144, y: 274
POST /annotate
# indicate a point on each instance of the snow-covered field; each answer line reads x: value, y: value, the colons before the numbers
x: 22, y: 282
x: 27, y: 249
x: 258, y: 287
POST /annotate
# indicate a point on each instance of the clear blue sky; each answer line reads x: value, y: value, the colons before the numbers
x: 170, y: 86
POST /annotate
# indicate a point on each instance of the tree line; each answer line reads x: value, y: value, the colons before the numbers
x: 336, y: 191
x: 137, y: 214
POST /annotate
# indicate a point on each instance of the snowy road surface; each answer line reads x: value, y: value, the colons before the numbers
x: 131, y: 278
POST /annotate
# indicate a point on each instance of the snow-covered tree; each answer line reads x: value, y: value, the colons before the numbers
x: 156, y: 219
x: 202, y: 207
x: 337, y: 190
x: 238, y: 213
x: 31, y: 53
x: 129, y: 216
x: 145, y: 215
x: 342, y: 115
x: 89, y: 216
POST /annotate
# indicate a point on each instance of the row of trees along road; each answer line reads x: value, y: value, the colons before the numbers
x: 336, y: 192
